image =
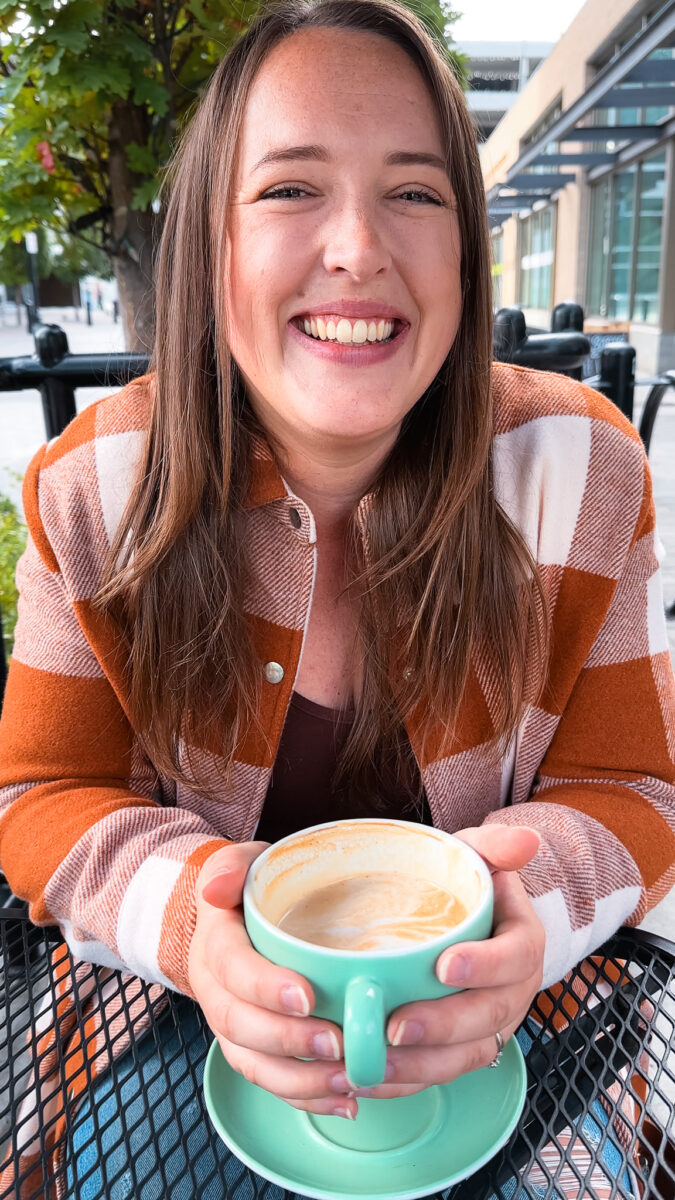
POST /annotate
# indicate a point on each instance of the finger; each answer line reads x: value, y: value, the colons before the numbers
x: 256, y: 1028
x: 287, y: 1077
x: 221, y: 879
x: 465, y: 1017
x: 429, y: 1065
x: 390, y: 1091
x: 504, y: 847
x: 343, y: 1106
x: 238, y: 968
x: 515, y: 951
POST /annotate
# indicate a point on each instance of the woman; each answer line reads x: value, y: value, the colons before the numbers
x: 325, y: 526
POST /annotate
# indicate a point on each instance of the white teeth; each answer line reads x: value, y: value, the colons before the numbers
x: 346, y: 333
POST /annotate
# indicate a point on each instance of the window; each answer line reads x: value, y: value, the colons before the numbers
x: 621, y: 245
x: 625, y: 242
x: 536, y: 237
x: 651, y: 196
x: 497, y: 269
x: 596, y: 301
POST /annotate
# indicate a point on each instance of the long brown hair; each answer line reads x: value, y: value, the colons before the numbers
x: 444, y: 573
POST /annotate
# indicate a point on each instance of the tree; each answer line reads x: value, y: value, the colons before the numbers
x: 68, y: 258
x: 92, y: 95
x: 14, y: 272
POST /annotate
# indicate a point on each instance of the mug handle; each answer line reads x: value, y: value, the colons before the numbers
x: 363, y: 1031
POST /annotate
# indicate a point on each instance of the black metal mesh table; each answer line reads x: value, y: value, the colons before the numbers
x: 147, y: 1136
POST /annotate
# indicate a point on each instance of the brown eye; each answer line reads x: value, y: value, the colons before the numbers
x: 421, y: 197
x: 284, y: 193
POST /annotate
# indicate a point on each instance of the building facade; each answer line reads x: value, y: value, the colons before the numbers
x: 580, y: 176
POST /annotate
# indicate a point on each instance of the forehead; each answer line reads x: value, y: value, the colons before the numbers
x: 338, y: 80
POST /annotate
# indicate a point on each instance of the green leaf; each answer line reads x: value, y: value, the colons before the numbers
x: 95, y: 74
x: 10, y: 88
x: 153, y: 93
x: 145, y: 194
x: 141, y: 159
x: 52, y: 66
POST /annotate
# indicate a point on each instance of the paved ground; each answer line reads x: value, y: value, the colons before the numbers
x: 22, y: 432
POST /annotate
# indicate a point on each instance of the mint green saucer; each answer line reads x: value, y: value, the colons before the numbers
x: 398, y: 1149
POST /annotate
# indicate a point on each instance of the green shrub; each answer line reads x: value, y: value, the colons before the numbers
x: 12, y: 543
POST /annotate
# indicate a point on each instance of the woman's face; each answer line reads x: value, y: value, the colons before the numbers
x: 343, y: 250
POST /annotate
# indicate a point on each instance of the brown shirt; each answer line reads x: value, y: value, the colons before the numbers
x: 300, y: 791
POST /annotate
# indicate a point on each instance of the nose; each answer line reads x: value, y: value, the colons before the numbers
x: 354, y: 244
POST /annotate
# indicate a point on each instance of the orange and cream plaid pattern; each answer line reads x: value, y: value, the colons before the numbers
x: 101, y: 844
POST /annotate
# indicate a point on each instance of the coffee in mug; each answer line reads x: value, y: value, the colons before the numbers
x: 368, y: 886
x: 373, y: 911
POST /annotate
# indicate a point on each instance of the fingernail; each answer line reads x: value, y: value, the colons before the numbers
x: 339, y: 1111
x: 340, y: 1083
x: 370, y: 1091
x: 294, y: 1000
x: 454, y: 971
x: 408, y: 1033
x: 325, y: 1045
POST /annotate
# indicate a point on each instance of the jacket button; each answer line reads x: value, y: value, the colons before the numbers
x: 295, y: 518
x: 274, y: 672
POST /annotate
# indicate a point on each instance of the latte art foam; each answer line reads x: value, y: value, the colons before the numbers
x: 377, y: 911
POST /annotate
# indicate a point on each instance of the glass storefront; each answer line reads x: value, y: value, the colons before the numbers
x: 625, y: 242
x: 536, y: 253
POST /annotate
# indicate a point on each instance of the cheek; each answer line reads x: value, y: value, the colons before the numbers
x: 269, y: 264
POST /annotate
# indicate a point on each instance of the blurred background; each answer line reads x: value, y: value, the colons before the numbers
x: 574, y: 109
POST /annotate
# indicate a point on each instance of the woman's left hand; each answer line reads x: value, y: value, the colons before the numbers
x: 435, y: 1041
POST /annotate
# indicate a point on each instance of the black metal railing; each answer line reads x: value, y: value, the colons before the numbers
x: 57, y: 373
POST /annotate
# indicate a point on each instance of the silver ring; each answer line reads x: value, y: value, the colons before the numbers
x: 500, y: 1050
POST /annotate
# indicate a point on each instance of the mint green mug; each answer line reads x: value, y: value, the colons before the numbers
x: 359, y: 988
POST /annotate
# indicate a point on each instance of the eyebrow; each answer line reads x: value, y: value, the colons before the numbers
x: 398, y: 158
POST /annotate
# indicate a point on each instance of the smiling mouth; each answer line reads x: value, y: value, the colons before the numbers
x: 346, y: 332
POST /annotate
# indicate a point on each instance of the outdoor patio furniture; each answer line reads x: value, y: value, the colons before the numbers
x: 618, y: 1048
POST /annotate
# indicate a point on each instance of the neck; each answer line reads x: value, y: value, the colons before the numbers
x: 332, y: 479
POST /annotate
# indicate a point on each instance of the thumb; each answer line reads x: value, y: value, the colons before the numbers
x: 504, y: 847
x: 221, y: 879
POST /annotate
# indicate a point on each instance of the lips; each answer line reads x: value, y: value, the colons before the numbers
x: 371, y: 309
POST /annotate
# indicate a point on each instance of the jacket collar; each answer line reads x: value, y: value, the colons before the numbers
x: 266, y: 484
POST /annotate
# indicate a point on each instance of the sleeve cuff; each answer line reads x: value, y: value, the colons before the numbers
x: 180, y: 917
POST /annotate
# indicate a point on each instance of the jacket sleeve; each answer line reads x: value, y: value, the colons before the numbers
x: 84, y: 836
x: 603, y: 794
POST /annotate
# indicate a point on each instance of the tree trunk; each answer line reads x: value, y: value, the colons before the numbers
x: 132, y: 230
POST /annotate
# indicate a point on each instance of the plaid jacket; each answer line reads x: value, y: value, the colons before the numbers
x: 100, y: 843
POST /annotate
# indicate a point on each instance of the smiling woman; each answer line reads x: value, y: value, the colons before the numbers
x: 326, y: 560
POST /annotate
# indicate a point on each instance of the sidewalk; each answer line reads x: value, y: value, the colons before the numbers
x: 23, y: 433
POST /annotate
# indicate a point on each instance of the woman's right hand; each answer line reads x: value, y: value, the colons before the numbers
x: 260, y: 1013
